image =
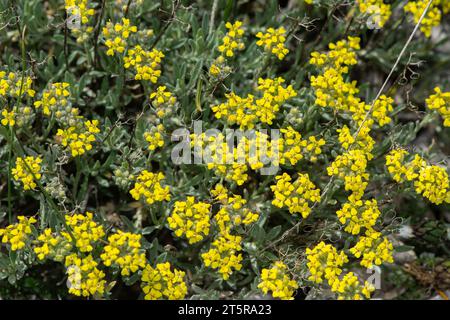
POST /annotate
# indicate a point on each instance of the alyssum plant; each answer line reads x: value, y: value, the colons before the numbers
x: 89, y: 188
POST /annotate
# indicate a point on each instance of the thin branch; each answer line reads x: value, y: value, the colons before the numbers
x: 393, y: 68
x: 213, y: 16
x: 97, y: 31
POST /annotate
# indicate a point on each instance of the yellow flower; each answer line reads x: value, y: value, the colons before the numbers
x: 351, y: 167
x: 313, y: 148
x: 237, y: 110
x: 232, y: 41
x: 349, y: 288
x: 430, y: 181
x: 116, y: 36
x: 53, y: 246
x: 357, y: 214
x: 17, y: 234
x: 163, y: 101
x: 228, y: 163
x: 162, y: 283
x: 401, y: 170
x: 55, y: 101
x: 79, y: 138
x: 84, y: 278
x: 363, y: 141
x: 325, y: 262
x: 291, y: 146
x: 273, y: 41
x: 224, y: 255
x: 431, y: 19
x: 11, y: 84
x: 232, y: 211
x: 433, y: 184
x: 440, y: 101
x: 80, y: 9
x: 373, y: 249
x: 8, y: 118
x: 190, y: 219
x: 124, y: 252
x: 295, y: 195
x: 155, y: 137
x: 22, y: 172
x: 85, y: 230
x: 246, y: 112
x: 146, y: 64
x: 377, y: 10
x: 340, y: 56
x: 278, y: 282
x: 149, y: 188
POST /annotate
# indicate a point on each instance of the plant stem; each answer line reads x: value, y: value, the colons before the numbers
x: 11, y: 142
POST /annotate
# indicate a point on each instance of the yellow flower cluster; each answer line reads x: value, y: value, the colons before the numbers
x: 79, y: 9
x: 314, y: 148
x: 17, y: 234
x: 9, y: 118
x: 357, y: 214
x: 295, y: 195
x: 162, y: 283
x: 190, y: 219
x: 433, y: 184
x: 381, y: 108
x: 124, y: 251
x: 155, y: 137
x: 228, y: 163
x: 146, y: 64
x: 21, y: 172
x: 148, y: 187
x: 55, y: 101
x: 237, y: 110
x: 231, y: 42
x: 11, y: 85
x: 373, y: 249
x: 325, y: 262
x: 246, y: 112
x: 77, y: 133
x: 402, y: 170
x: 333, y: 91
x: 274, y: 94
x: 430, y: 181
x: 219, y: 67
x: 273, y: 41
x: 342, y: 54
x: 224, y: 255
x: 351, y: 167
x: 84, y: 278
x: 163, y: 101
x: 395, y: 164
x: 349, y: 288
x: 292, y: 148
x: 256, y: 149
x: 116, y: 36
x: 278, y: 282
x: 52, y: 246
x: 377, y: 10
x: 85, y: 230
x: 440, y: 101
x: 232, y: 212
x: 363, y: 140
x: 432, y: 18
x: 78, y: 138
